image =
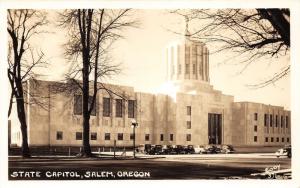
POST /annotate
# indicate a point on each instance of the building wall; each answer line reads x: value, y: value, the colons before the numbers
x: 245, y: 122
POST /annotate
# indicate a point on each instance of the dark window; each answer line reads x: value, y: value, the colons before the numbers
x: 266, y: 119
x: 255, y: 116
x: 131, y: 136
x: 288, y: 139
x: 187, y: 68
x: 276, y: 120
x: 271, y: 120
x: 78, y: 135
x: 188, y: 110
x: 277, y: 139
x: 120, y: 136
x: 106, y: 107
x: 286, y: 121
x: 147, y: 137
x: 194, y: 68
x: 78, y: 104
x: 282, y: 139
x: 119, y: 107
x: 171, y: 137
x: 131, y: 104
x: 281, y: 121
x: 107, y: 136
x: 59, y: 135
x: 266, y: 139
x: 161, y: 137
x: 255, y: 128
x: 255, y: 138
x: 93, y: 136
x: 272, y: 139
x: 188, y: 137
x: 188, y: 124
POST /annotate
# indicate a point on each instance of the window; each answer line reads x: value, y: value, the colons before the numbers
x: 78, y: 135
x: 277, y: 139
x: 120, y: 136
x: 286, y: 121
x: 119, y: 107
x: 106, y: 107
x: 282, y: 139
x: 282, y: 121
x: 188, y: 110
x: 266, y: 119
x: 179, y: 68
x: 147, y: 137
x: 131, y: 136
x: 288, y: 139
x: 188, y: 124
x: 266, y: 139
x: 78, y: 105
x: 161, y: 137
x: 93, y: 136
x: 107, y: 136
x: 272, y: 139
x: 255, y: 138
x: 255, y: 128
x: 171, y: 137
x: 271, y: 120
x: 255, y: 116
x: 194, y: 68
x: 131, y: 104
x: 276, y: 121
x: 187, y: 68
x: 59, y: 135
x: 188, y: 137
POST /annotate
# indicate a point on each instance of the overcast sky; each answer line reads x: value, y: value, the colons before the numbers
x: 142, y: 50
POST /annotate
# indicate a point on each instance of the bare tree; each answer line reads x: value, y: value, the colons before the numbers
x: 253, y: 33
x: 91, y: 33
x: 22, y: 25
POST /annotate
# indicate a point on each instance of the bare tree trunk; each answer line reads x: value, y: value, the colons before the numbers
x: 22, y: 120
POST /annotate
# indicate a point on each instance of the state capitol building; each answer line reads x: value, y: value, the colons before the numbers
x: 191, y: 112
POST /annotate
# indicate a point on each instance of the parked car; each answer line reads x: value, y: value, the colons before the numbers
x: 156, y: 150
x: 179, y: 149
x: 140, y: 148
x: 200, y: 149
x: 189, y: 149
x: 169, y: 150
x: 212, y: 149
x: 227, y: 149
x: 285, y: 151
x: 148, y: 148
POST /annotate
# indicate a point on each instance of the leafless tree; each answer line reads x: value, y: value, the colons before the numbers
x: 22, y: 25
x: 253, y: 33
x: 91, y: 33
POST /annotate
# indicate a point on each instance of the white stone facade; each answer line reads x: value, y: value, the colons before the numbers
x: 187, y: 112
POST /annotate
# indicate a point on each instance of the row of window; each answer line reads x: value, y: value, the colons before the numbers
x: 107, y: 107
x: 120, y: 136
x: 270, y: 119
x: 272, y: 139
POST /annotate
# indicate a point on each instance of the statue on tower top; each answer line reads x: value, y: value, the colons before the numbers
x: 187, y: 33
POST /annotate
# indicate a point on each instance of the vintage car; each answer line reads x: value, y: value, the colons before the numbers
x: 200, y: 149
x: 227, y: 149
x: 285, y: 151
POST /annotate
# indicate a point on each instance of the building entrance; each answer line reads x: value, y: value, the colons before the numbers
x: 214, y: 128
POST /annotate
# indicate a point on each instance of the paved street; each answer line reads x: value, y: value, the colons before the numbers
x: 147, y: 167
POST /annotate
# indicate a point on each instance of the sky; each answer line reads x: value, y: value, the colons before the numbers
x: 143, y: 62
